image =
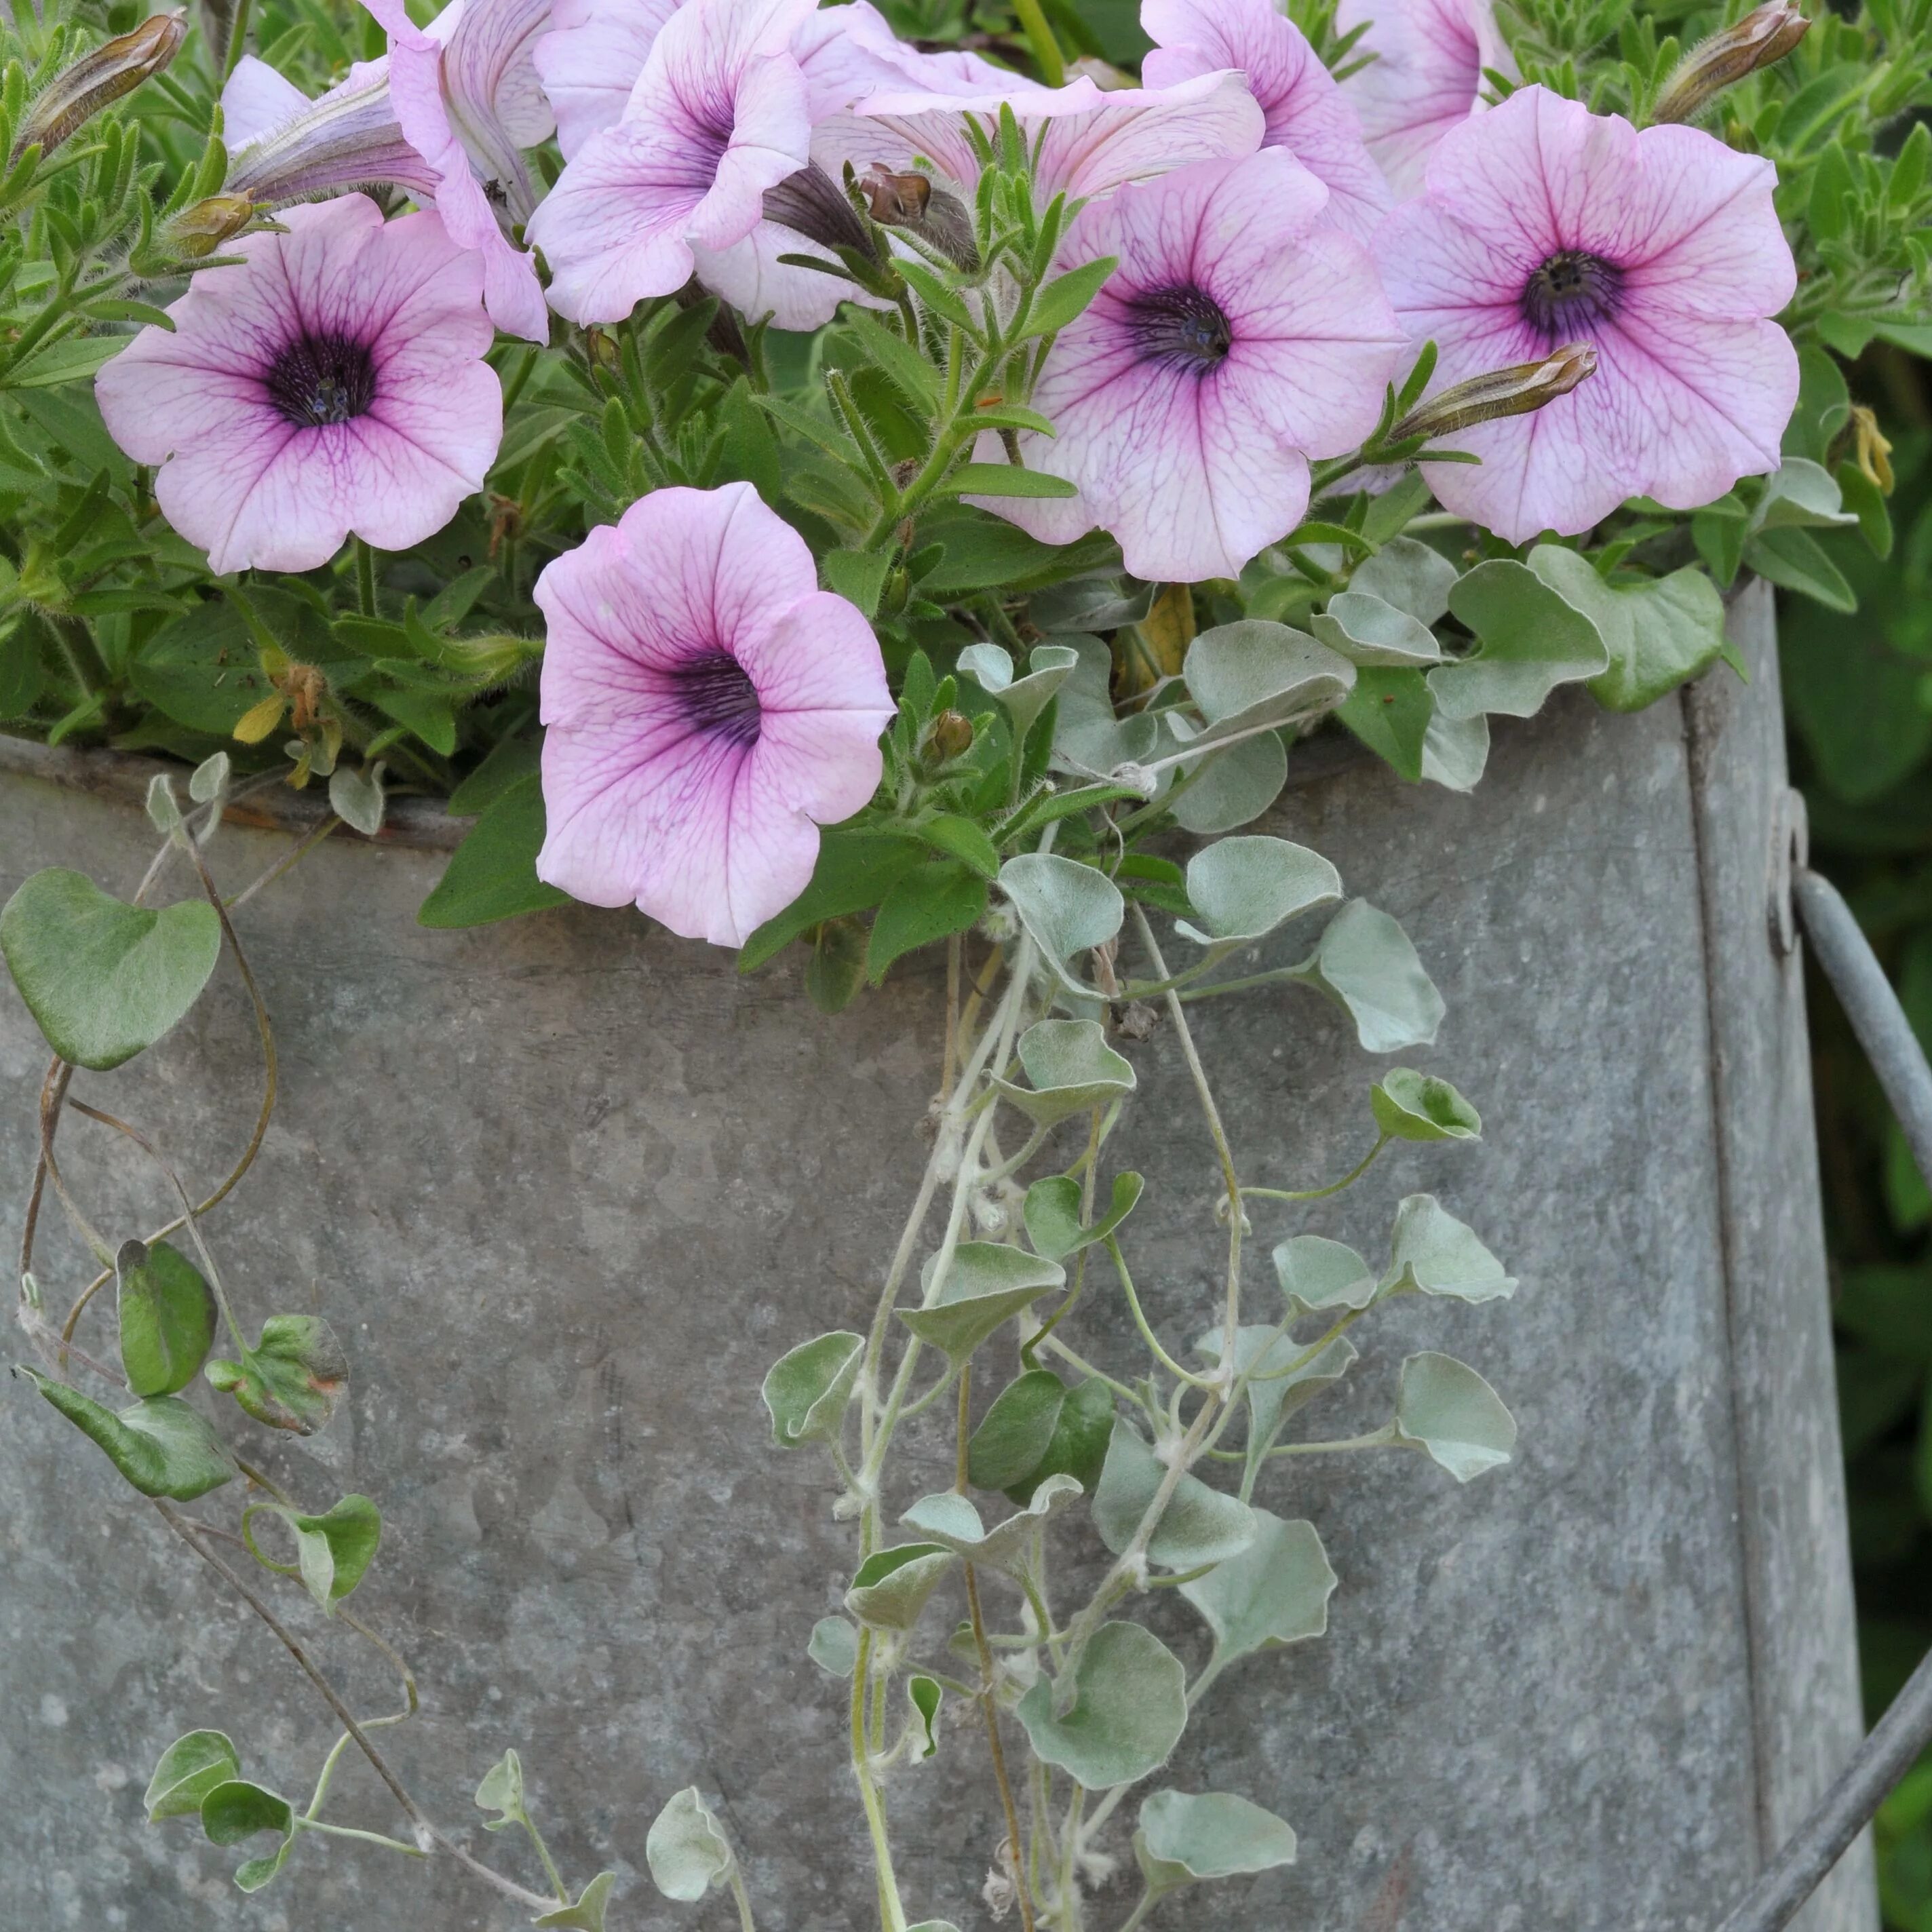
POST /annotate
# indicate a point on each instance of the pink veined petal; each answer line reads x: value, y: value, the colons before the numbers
x: 1134, y: 134
x: 820, y: 659
x: 1425, y: 78
x: 612, y: 229
x: 750, y: 277
x: 511, y: 291
x: 1694, y: 226
x: 489, y: 87
x: 1048, y: 519
x: 256, y: 100
x: 771, y: 139
x: 215, y: 492
x: 757, y: 859
x: 590, y: 60
x: 1436, y: 264
x: 1305, y: 110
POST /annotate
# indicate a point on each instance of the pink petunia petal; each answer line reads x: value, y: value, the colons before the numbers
x: 1305, y: 111
x: 590, y: 60
x: 1425, y: 78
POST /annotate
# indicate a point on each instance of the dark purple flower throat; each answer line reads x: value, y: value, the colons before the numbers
x: 718, y: 699
x: 319, y: 380
x: 1569, y: 292
x: 1182, y: 327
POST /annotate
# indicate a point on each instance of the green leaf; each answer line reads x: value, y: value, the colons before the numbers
x: 910, y: 371
x: 336, y: 1548
x: 103, y: 979
x: 964, y: 839
x: 1078, y: 1447
x: 1068, y: 908
x: 166, y: 1314
x: 1065, y: 297
x: 926, y: 1696
x: 1432, y: 1252
x: 1390, y: 711
x: 858, y: 576
x: 1012, y: 415
x: 1253, y: 673
x: 1129, y: 1710
x: 356, y: 798
x: 892, y: 1585
x: 502, y: 1791
x: 1800, y: 495
x: 1184, y: 1839
x: 1412, y: 1106
x: 1367, y: 630
x: 950, y: 1519
x: 1364, y: 961
x: 836, y: 969
x: 686, y: 1848
x: 163, y: 1446
x: 834, y: 1647
x: 1239, y: 782
x: 76, y: 359
x: 1243, y: 888
x: 203, y: 670
x: 1659, y: 633
x: 1023, y: 699
x: 592, y: 1902
x: 1052, y: 1213
x: 191, y: 1768
x: 1198, y: 1526
x: 1287, y: 1376
x: 987, y: 1284
x: 1532, y: 640
x: 1455, y: 750
x: 1792, y: 559
x: 1003, y: 479
x: 938, y: 898
x: 1406, y: 573
x: 237, y: 1810
x: 507, y: 763
x: 807, y: 1389
x: 1447, y: 1410
x: 1073, y: 1069
x: 1013, y: 1435
x: 1317, y: 1274
x: 1864, y: 498
x: 855, y: 871
x: 492, y: 874
x: 1274, y: 1593
x: 291, y: 1379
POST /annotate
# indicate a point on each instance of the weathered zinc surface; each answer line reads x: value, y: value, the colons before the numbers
x: 566, y: 1187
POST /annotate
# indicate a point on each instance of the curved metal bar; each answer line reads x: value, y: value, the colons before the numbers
x: 1905, y: 1730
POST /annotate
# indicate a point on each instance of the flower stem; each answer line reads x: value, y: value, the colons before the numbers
x: 1040, y: 38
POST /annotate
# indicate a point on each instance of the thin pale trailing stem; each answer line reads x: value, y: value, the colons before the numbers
x: 287, y: 862
x: 1147, y: 1335
x: 424, y: 1830
x: 1348, y: 1180
x: 891, y: 1912
x: 53, y: 1097
x: 741, y: 1897
x: 1070, y: 1858
x: 989, y: 1703
x: 53, y: 1090
x: 271, y: 1080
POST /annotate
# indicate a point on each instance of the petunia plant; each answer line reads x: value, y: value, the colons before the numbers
x: 847, y: 483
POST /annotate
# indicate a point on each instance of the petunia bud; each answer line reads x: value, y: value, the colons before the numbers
x: 201, y: 227
x: 949, y: 736
x: 912, y: 202
x: 1514, y: 391
x: 116, y: 68
x: 811, y: 203
x: 1763, y: 36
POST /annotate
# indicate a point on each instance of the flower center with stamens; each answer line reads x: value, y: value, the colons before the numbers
x: 719, y: 698
x: 319, y: 380
x: 1569, y: 292
x: 1181, y: 327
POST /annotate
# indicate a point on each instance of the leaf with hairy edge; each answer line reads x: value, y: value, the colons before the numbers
x: 291, y: 1379
x: 686, y: 1848
x: 167, y: 1316
x: 1128, y: 1709
x: 191, y: 1768
x: 162, y: 1446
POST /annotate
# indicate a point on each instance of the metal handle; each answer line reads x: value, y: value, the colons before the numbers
x: 1905, y: 1730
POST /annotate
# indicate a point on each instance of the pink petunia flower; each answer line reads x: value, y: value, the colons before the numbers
x: 1543, y: 224
x: 1307, y: 112
x: 720, y: 113
x: 1240, y: 336
x: 1085, y: 142
x: 332, y: 382
x: 465, y: 95
x: 708, y: 708
x: 1426, y: 77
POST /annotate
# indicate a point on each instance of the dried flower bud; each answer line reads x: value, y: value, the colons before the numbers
x: 910, y: 202
x: 811, y: 203
x: 1763, y: 36
x: 72, y: 97
x: 949, y: 736
x: 1870, y: 451
x: 201, y: 228
x: 1514, y: 391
